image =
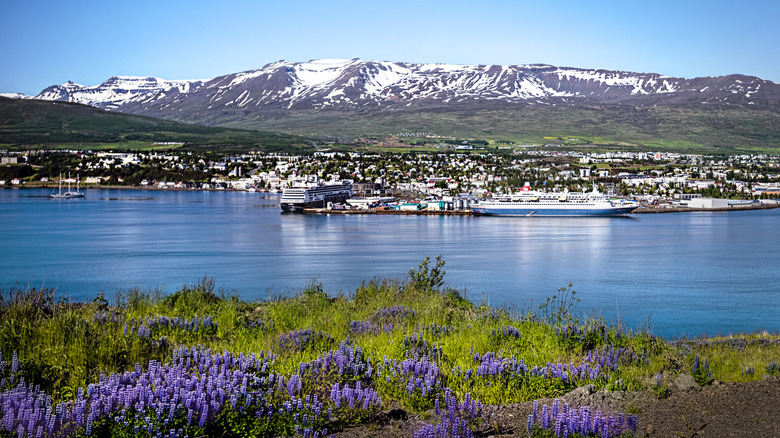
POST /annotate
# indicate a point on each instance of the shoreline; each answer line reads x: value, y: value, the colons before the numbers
x: 640, y: 210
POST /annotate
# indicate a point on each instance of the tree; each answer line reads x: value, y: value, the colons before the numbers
x: 427, y: 278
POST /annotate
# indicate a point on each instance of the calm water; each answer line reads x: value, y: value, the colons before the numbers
x: 687, y: 273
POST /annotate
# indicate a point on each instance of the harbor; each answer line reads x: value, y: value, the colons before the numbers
x: 639, y: 210
x: 386, y: 211
x: 337, y: 198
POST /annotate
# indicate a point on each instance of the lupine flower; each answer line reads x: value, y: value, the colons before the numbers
x: 174, y: 387
x: 455, y: 421
x: 299, y: 340
x: 507, y: 332
x: 562, y: 421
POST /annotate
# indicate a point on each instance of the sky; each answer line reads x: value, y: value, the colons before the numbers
x: 49, y: 42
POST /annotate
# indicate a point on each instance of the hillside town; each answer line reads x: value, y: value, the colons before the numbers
x: 653, y: 178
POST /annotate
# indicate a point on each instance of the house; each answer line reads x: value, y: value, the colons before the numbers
x: 566, y: 174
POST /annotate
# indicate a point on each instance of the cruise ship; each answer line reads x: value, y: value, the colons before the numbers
x: 295, y: 199
x: 535, y: 203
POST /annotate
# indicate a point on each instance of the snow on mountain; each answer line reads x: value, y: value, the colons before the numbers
x: 117, y: 91
x: 15, y: 96
x: 369, y: 85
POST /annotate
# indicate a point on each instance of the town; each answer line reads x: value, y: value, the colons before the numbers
x: 657, y: 179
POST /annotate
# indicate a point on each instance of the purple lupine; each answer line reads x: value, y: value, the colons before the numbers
x: 580, y: 421
x: 299, y: 340
x: 14, y: 362
x: 456, y: 420
x: 149, y: 392
x: 507, y: 332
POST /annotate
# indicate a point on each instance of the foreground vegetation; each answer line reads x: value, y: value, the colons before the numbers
x: 204, y: 363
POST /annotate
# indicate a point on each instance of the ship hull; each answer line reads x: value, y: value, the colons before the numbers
x: 299, y: 207
x: 490, y: 210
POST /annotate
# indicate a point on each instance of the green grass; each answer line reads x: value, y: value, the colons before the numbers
x: 63, y: 346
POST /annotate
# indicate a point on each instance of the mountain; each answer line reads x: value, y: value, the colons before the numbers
x: 355, y: 97
x: 117, y: 91
x: 356, y: 84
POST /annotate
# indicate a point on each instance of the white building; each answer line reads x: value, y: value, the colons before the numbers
x: 708, y: 203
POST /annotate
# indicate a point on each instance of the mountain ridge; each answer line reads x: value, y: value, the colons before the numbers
x: 527, y: 104
x: 378, y: 85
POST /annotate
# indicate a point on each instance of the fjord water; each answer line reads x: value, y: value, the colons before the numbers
x: 686, y: 273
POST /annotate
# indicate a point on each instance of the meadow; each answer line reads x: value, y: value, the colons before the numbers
x: 201, y: 362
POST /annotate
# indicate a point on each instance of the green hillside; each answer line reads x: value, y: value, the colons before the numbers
x: 691, y: 129
x: 695, y: 129
x: 37, y: 123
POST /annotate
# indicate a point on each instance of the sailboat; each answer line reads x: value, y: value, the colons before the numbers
x: 68, y: 194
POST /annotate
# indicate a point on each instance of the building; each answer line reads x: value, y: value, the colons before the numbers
x: 708, y: 203
x: 687, y: 196
x: 366, y: 189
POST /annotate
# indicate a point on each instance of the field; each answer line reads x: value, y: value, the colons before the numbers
x: 201, y: 362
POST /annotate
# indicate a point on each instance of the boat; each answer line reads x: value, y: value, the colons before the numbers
x: 537, y: 203
x: 69, y: 194
x: 318, y: 195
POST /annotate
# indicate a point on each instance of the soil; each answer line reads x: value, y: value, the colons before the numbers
x: 749, y: 409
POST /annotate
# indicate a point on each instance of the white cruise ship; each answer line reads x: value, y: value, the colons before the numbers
x: 535, y: 203
x: 295, y: 199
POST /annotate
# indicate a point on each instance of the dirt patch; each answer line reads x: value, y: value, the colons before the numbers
x: 719, y: 410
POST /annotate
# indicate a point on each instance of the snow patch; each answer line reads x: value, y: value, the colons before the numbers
x: 15, y: 96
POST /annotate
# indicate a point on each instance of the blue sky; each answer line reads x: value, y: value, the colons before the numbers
x: 48, y: 42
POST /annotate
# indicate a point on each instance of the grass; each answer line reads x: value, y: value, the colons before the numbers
x: 468, y: 351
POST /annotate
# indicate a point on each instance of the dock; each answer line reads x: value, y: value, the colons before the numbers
x: 391, y: 212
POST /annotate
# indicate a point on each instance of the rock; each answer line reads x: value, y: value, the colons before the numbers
x: 685, y: 382
x: 397, y: 414
x: 581, y: 392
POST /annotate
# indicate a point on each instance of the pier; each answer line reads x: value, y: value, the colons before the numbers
x: 391, y: 212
